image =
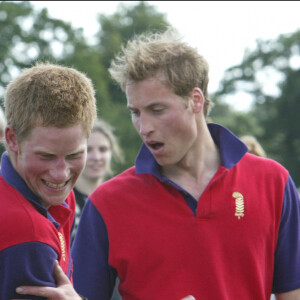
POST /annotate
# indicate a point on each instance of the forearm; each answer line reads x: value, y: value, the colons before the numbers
x: 292, y: 295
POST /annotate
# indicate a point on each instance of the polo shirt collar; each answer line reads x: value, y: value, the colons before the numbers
x: 11, y: 176
x: 232, y: 149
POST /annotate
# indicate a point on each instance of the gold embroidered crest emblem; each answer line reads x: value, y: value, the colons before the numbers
x: 62, y: 246
x: 239, y: 205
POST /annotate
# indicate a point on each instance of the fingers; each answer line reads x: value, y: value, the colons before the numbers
x: 190, y: 297
x: 34, y: 290
x: 63, y: 291
x: 59, y: 275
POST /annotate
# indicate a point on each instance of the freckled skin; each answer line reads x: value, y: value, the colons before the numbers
x: 50, y: 161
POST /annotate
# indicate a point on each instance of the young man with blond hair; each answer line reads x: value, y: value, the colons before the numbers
x: 197, y: 215
x: 50, y: 111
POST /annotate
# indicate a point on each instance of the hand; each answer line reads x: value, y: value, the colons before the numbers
x: 63, y: 291
x: 190, y: 297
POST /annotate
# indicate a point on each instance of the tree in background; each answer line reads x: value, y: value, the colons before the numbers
x: 276, y: 106
x: 239, y: 122
x: 28, y: 35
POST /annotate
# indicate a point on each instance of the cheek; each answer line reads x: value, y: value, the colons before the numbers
x: 76, y: 166
x: 173, y: 126
x: 32, y: 166
x: 135, y: 122
x: 108, y: 157
x: 79, y: 166
x: 89, y: 156
x: 184, y: 130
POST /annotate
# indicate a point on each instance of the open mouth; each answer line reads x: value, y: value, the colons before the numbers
x: 155, y: 146
x: 55, y: 185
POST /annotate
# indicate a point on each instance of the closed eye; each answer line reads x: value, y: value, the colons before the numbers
x: 75, y: 155
x: 46, y: 156
x: 157, y: 110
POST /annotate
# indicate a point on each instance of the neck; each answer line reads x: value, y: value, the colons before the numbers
x: 200, y: 163
x: 87, y: 185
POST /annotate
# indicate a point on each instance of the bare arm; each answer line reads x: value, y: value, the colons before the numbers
x: 63, y: 291
x: 292, y: 295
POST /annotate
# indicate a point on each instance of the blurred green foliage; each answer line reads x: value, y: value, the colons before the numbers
x: 271, y: 75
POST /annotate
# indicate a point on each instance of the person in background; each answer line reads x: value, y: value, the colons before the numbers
x: 253, y: 145
x: 191, y: 217
x: 50, y: 111
x: 102, y: 148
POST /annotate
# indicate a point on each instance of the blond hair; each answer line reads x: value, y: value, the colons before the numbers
x: 253, y: 145
x: 151, y: 53
x: 49, y: 95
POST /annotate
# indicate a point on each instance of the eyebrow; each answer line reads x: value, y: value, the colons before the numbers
x: 147, y: 106
x: 46, y: 152
x: 80, y: 150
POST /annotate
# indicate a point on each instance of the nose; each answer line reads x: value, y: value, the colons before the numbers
x: 60, y: 171
x: 95, y: 154
x: 145, y: 125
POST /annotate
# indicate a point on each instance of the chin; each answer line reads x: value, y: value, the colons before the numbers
x: 95, y: 178
x: 56, y: 202
x: 97, y: 175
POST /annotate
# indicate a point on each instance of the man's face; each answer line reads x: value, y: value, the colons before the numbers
x: 99, y: 154
x: 50, y: 160
x: 165, y: 123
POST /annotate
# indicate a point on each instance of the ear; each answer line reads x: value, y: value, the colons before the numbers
x: 11, y: 139
x: 198, y: 100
